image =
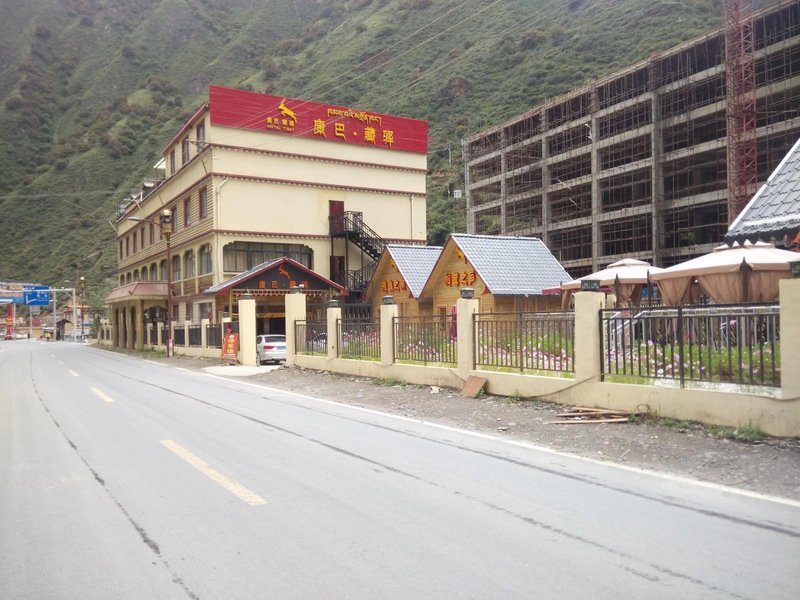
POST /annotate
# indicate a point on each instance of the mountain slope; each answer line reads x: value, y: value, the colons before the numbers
x: 91, y: 89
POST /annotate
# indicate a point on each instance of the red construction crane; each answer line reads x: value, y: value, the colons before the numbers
x: 741, y: 113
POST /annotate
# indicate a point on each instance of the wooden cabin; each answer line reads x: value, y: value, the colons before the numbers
x: 401, y: 272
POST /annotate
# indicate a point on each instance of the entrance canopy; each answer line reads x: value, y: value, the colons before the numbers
x: 729, y: 274
x: 276, y: 278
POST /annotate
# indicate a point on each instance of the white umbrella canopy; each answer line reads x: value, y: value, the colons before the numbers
x: 730, y: 274
x: 625, y: 271
x: 627, y: 276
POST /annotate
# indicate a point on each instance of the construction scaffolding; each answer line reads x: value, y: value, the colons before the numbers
x: 636, y: 164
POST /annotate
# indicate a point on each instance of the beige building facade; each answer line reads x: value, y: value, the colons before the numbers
x: 251, y: 178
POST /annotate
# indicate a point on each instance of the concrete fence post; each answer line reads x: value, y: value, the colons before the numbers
x: 790, y: 333
x: 247, y: 331
x: 388, y: 312
x: 295, y: 304
x: 587, y: 335
x: 204, y: 332
x: 466, y: 307
x: 334, y: 313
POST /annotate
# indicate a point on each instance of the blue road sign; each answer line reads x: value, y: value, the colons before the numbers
x: 36, y: 295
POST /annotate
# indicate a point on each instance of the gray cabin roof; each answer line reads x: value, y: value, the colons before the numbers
x: 774, y: 212
x: 415, y: 264
x: 512, y: 266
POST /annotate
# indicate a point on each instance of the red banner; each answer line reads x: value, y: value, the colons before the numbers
x: 249, y: 110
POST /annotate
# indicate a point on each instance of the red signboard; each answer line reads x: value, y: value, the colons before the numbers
x: 230, y: 345
x: 249, y: 110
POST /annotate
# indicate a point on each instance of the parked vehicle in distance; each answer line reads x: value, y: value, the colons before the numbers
x: 270, y: 348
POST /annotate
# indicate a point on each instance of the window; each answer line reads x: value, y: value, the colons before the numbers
x: 135, y: 241
x: 188, y: 264
x: 185, y: 151
x: 144, y: 274
x: 202, y: 203
x: 120, y: 249
x: 205, y: 259
x: 205, y: 310
x: 152, y: 233
x: 172, y: 162
x: 241, y: 256
x: 176, y: 267
x: 201, y: 136
x: 189, y: 311
x: 162, y: 270
x: 142, y: 234
x: 128, y: 246
x: 153, y: 272
x: 187, y: 212
x: 175, y: 311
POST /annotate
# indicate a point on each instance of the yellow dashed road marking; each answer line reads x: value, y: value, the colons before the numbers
x: 101, y: 395
x: 233, y: 487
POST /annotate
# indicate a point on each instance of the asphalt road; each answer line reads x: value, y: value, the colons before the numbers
x: 123, y: 479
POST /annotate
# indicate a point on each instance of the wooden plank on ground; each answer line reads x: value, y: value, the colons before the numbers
x: 473, y: 386
x: 582, y: 421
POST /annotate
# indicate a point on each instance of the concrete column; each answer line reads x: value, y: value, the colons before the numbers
x: 388, y: 312
x: 186, y: 334
x: 147, y: 329
x: 159, y: 334
x: 587, y: 334
x: 790, y: 333
x: 139, y: 325
x: 334, y: 313
x: 130, y: 323
x: 247, y: 331
x: 465, y: 308
x: 295, y: 304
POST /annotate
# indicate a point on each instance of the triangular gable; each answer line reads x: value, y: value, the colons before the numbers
x: 508, y: 266
x: 278, y: 275
x: 444, y: 271
x: 406, y: 267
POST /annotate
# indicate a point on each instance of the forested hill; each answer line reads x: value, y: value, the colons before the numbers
x: 90, y: 90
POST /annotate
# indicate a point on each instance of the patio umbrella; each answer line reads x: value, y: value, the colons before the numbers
x: 729, y: 274
x: 626, y: 277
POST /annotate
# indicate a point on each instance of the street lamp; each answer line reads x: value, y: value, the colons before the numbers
x: 82, y: 287
x: 165, y: 222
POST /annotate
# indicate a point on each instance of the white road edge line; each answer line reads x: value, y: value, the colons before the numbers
x: 666, y: 476
x: 237, y: 489
x: 101, y: 395
x: 73, y: 373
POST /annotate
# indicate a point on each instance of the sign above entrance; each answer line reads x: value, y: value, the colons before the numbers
x: 248, y: 110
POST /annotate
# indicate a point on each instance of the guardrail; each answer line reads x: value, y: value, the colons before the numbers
x: 359, y: 338
x: 426, y: 339
x: 525, y: 342
x: 717, y: 344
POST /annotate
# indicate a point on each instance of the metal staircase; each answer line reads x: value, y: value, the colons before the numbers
x: 350, y: 226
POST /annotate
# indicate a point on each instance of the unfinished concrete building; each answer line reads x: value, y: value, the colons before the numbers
x: 634, y: 165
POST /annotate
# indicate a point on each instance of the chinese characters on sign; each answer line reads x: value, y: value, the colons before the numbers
x: 274, y: 285
x: 395, y: 285
x: 230, y: 345
x: 457, y: 279
x: 249, y: 110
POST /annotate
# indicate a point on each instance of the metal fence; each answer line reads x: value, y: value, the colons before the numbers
x: 195, y: 336
x: 359, y: 338
x: 426, y: 339
x: 719, y: 344
x: 179, y: 336
x: 525, y: 342
x: 154, y: 335
x: 311, y: 337
x: 214, y: 335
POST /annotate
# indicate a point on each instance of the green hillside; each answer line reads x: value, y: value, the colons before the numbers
x: 91, y: 89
